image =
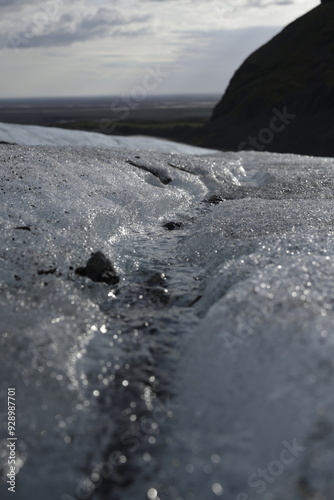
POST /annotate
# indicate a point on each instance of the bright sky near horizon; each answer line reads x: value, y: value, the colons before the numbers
x: 58, y: 48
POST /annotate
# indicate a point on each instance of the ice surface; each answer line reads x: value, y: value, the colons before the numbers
x: 213, y: 357
x: 32, y: 135
x: 256, y: 377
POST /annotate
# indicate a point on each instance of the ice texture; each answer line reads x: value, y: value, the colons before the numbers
x: 34, y: 135
x: 208, y: 370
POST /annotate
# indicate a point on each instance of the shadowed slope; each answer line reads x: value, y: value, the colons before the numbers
x: 292, y: 74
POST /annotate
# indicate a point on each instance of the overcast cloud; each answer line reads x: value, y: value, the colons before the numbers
x: 46, y: 47
x: 43, y: 30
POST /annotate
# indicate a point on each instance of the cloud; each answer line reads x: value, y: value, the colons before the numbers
x: 200, y: 42
x: 208, y: 65
x: 13, y: 4
x: 109, y: 17
x: 47, y: 29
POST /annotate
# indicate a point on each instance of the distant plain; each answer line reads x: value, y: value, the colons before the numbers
x: 172, y: 117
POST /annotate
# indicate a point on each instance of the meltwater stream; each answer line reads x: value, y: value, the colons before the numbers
x: 131, y: 366
x: 92, y: 363
x: 212, y: 357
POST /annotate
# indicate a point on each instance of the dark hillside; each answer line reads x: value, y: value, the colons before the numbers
x: 282, y: 97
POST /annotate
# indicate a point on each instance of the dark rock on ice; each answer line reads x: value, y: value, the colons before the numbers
x: 228, y: 194
x: 99, y: 269
x: 214, y: 199
x: 51, y: 270
x: 172, y: 225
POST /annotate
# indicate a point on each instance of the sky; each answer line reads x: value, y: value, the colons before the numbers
x: 133, y: 47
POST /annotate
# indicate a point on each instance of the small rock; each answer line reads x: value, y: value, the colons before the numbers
x: 100, y: 269
x: 214, y: 199
x: 51, y: 270
x: 172, y: 225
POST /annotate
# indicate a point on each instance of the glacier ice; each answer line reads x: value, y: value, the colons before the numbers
x: 34, y: 135
x: 212, y: 359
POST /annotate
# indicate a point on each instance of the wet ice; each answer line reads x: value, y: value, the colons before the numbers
x: 219, y: 334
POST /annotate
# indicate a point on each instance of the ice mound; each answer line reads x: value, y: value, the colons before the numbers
x: 33, y: 135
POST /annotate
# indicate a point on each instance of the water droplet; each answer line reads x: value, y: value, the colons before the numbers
x: 217, y: 489
x: 147, y: 457
x: 152, y: 494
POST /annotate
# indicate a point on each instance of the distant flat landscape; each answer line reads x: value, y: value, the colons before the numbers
x: 87, y: 112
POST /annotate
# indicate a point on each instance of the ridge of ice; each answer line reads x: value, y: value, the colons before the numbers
x: 34, y: 135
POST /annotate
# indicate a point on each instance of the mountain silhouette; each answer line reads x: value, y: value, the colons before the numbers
x: 282, y: 97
